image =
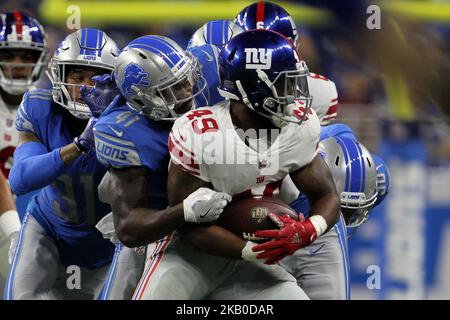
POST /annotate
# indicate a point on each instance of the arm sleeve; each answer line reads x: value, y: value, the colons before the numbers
x: 34, y: 167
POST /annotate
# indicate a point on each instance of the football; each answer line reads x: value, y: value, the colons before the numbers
x: 245, y: 216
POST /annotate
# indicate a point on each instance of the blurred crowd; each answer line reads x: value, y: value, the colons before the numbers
x: 392, y: 82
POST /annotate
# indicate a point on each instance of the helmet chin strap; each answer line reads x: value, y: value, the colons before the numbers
x: 244, y: 95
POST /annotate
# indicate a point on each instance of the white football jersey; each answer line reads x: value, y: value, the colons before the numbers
x: 325, y: 97
x: 9, y: 136
x: 206, y: 144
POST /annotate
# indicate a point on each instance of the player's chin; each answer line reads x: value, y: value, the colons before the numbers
x: 19, y: 77
x: 184, y: 107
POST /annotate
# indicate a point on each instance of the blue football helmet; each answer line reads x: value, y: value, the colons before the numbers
x: 262, y: 69
x: 150, y: 72
x: 355, y: 176
x: 383, y: 179
x: 20, y: 31
x: 216, y: 32
x: 86, y: 47
x: 269, y: 16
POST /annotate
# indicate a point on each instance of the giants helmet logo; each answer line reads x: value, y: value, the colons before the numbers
x: 258, y: 58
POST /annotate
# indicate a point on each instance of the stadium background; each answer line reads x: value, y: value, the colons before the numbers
x: 393, y: 86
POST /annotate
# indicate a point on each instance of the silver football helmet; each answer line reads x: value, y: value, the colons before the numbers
x: 355, y: 176
x: 83, y: 48
x: 216, y: 32
x: 149, y: 73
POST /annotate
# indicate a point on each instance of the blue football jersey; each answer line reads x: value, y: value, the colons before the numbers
x: 207, y: 56
x: 69, y: 208
x: 124, y: 138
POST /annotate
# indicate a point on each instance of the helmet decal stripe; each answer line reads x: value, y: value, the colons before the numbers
x: 363, y: 168
x: 154, y: 50
x: 210, y: 33
x: 173, y: 60
x: 260, y: 15
x: 347, y: 164
x: 91, y: 42
x: 18, y: 21
x: 217, y: 33
x: 355, y: 167
x: 225, y: 31
x: 100, y: 43
x: 82, y: 40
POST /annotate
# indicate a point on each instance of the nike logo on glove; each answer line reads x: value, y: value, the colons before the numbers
x: 204, y: 215
x: 118, y: 133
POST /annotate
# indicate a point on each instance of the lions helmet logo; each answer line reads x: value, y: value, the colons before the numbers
x: 134, y: 76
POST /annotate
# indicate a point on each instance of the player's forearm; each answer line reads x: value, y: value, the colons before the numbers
x: 70, y: 153
x: 316, y: 181
x: 34, y: 167
x: 327, y: 206
x: 213, y: 240
x: 141, y: 226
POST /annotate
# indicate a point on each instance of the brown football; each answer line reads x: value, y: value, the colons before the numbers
x: 245, y: 216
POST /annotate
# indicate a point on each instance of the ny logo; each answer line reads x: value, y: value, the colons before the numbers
x: 258, y: 58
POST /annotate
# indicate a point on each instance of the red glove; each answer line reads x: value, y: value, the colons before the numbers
x: 292, y: 236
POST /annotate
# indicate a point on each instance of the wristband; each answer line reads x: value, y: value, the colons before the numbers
x: 9, y: 222
x: 319, y: 223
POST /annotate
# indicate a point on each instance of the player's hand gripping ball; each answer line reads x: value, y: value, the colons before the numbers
x: 246, y: 216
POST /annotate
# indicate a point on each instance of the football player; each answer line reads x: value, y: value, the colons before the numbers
x: 23, y: 59
x: 56, y: 153
x: 158, y: 82
x: 333, y: 257
x: 263, y: 79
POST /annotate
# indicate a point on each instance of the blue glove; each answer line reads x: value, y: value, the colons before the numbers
x: 100, y: 96
x: 85, y: 141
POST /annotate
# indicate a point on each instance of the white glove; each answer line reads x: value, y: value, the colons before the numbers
x: 106, y: 227
x: 249, y: 255
x: 204, y: 205
x: 14, y: 238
